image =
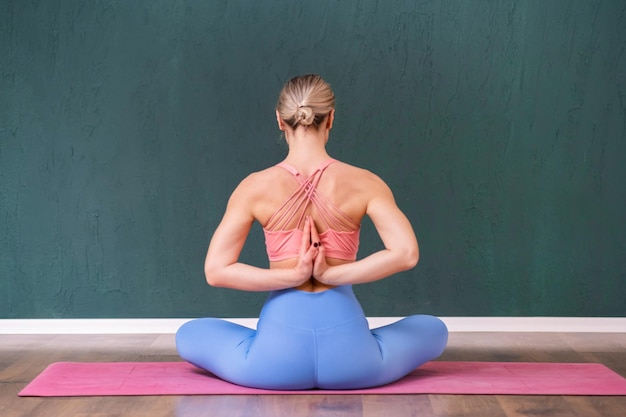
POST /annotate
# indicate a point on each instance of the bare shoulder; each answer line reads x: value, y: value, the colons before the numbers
x: 257, y: 193
x: 257, y: 183
x: 363, y: 179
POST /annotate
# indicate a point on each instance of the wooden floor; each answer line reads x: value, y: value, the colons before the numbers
x: 22, y: 357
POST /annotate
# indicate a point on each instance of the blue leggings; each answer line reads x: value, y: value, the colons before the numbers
x: 310, y: 340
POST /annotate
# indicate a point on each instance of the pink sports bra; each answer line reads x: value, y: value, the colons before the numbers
x: 341, y: 237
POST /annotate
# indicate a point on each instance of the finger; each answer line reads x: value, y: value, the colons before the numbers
x: 319, y: 263
x: 314, y: 244
x: 311, y: 255
x: 322, y: 251
x: 320, y: 257
x: 314, y: 249
x: 315, y: 238
x: 306, y: 237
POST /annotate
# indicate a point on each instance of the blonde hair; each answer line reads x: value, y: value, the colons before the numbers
x: 305, y: 100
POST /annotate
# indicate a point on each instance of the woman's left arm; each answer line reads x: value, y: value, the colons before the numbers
x: 401, y: 250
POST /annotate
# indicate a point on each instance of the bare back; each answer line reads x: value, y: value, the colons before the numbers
x: 348, y: 188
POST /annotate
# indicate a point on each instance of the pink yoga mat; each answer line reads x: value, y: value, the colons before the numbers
x: 68, y: 379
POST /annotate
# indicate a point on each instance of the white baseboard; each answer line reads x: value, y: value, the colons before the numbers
x: 455, y: 324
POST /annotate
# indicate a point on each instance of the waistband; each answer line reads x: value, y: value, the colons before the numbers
x: 312, y: 310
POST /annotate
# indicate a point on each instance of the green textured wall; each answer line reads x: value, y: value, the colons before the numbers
x: 500, y: 125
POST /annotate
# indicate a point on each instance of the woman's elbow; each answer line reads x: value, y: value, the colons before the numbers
x: 410, y: 257
x: 212, y: 276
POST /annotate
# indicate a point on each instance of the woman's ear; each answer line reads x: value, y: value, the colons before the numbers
x: 281, y: 124
x: 330, y: 119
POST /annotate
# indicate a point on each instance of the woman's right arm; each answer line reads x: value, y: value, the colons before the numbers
x: 222, y: 267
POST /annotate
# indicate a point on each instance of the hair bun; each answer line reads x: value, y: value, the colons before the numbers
x: 305, y: 100
x: 304, y: 115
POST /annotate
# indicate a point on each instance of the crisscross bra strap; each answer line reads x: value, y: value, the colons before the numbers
x: 298, y: 202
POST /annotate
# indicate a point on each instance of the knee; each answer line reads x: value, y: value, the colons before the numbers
x: 184, y: 339
x: 434, y: 333
x: 439, y: 334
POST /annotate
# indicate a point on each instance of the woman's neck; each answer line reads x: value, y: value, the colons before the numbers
x: 307, y: 149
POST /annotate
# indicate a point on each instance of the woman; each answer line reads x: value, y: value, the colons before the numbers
x: 312, y: 332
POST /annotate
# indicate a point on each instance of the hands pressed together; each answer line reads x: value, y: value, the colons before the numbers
x: 312, y: 256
